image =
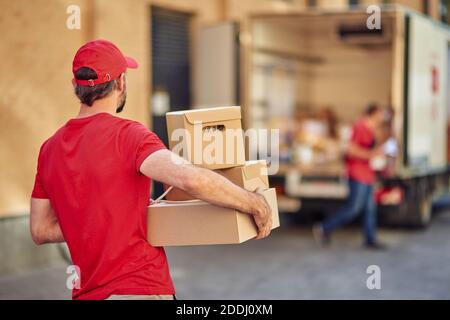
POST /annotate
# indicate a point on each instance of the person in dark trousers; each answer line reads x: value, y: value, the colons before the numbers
x: 361, y: 177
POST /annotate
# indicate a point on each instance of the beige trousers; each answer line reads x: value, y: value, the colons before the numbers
x: 140, y: 297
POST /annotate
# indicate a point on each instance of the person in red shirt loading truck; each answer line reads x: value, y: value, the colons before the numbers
x: 92, y: 186
x: 361, y: 178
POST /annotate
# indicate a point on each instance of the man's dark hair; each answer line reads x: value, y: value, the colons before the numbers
x: 372, y: 109
x: 88, y: 94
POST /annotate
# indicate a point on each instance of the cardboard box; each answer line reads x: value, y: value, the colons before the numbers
x: 251, y: 176
x: 211, y: 138
x: 181, y: 223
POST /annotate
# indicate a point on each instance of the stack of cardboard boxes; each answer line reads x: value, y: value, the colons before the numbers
x: 210, y: 138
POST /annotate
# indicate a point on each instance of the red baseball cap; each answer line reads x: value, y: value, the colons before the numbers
x: 104, y: 58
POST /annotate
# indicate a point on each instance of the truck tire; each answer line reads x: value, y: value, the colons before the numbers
x: 422, y: 217
x: 416, y: 209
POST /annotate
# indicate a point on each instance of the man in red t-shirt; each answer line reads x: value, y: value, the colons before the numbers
x: 361, y: 178
x: 92, y: 186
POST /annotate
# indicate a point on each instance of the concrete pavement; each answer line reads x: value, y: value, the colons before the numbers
x: 289, y: 265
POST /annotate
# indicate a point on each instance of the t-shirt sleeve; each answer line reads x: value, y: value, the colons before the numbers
x: 149, y: 144
x: 38, y: 189
x: 145, y: 142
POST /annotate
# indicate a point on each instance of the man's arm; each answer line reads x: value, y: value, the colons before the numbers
x: 167, y: 167
x: 44, y: 225
x: 356, y: 151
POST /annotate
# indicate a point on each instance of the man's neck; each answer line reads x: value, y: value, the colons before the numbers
x: 105, y: 105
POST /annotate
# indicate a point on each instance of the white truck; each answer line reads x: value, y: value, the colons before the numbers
x: 316, y: 58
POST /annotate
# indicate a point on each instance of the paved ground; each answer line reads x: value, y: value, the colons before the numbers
x: 289, y: 265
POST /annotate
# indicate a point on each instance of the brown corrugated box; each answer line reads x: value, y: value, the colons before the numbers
x: 205, y: 121
x: 195, y: 222
x: 251, y: 176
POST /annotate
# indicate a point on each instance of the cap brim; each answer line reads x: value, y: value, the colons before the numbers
x: 131, y: 63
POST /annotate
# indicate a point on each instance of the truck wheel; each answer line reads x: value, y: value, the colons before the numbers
x: 420, y: 212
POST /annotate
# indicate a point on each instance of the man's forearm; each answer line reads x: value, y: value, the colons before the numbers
x: 53, y: 233
x: 44, y: 225
x: 359, y: 152
x: 203, y: 184
x: 49, y: 233
x: 216, y: 189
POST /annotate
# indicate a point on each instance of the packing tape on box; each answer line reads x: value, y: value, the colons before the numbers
x: 180, y: 201
x: 160, y: 198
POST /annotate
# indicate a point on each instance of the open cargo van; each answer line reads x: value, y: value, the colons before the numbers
x: 305, y: 63
x: 314, y: 60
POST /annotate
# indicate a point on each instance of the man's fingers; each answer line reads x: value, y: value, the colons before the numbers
x: 264, y: 230
x: 260, y: 235
x: 261, y: 231
x: 268, y: 226
x: 264, y: 220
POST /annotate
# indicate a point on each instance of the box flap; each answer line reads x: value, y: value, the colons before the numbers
x: 213, y: 114
x: 247, y: 228
x: 253, y: 168
x: 271, y: 197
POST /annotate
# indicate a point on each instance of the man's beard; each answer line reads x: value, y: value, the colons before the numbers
x: 123, y: 100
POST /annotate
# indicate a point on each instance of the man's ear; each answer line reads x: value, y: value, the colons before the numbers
x: 121, y: 82
x: 74, y: 84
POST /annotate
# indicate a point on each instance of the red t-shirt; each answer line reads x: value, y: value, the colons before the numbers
x: 359, y: 169
x: 89, y: 169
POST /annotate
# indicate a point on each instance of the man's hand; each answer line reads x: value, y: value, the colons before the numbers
x: 262, y: 214
x: 377, y: 152
x: 356, y: 151
x: 170, y: 169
